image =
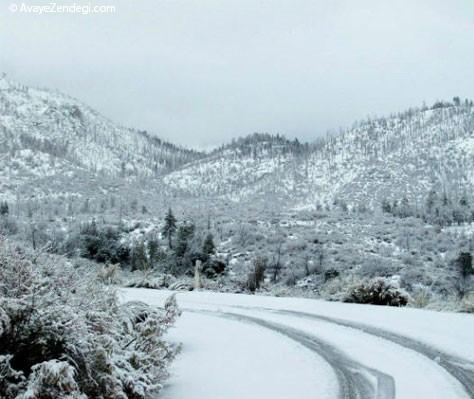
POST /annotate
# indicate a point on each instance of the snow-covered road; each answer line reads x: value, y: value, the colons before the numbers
x: 241, y: 346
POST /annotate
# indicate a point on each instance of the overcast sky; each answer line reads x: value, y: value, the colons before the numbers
x: 201, y: 72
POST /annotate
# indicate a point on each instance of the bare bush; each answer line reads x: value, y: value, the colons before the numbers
x: 421, y: 298
x: 109, y: 274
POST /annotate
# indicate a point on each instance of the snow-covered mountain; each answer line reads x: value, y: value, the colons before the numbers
x: 49, y: 139
x: 45, y: 133
x: 247, y: 167
x: 52, y: 143
x: 403, y: 155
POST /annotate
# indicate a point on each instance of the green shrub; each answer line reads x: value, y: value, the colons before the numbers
x: 378, y: 291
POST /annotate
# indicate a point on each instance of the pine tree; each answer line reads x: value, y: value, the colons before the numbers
x: 208, y: 247
x: 139, y: 258
x: 170, y: 227
x: 153, y: 250
x: 4, y: 210
x: 185, y: 233
x: 386, y: 207
x: 464, y: 264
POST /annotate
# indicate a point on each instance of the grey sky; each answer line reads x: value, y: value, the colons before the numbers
x: 200, y: 72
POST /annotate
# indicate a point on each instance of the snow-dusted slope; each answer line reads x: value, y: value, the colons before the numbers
x: 51, y: 127
x: 262, y: 347
x: 45, y: 134
x: 248, y: 166
x: 403, y: 155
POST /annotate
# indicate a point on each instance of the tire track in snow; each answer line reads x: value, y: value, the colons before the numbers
x: 461, y: 369
x: 356, y: 381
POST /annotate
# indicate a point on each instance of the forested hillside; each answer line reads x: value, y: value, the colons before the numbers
x: 403, y: 155
x: 46, y: 134
x: 390, y: 198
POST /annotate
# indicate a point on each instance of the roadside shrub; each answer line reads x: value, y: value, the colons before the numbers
x: 335, y: 289
x: 378, y: 291
x: 139, y: 280
x: 63, y: 335
x: 421, y: 298
x: 214, y: 268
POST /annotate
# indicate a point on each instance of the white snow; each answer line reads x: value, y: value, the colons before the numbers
x: 224, y: 358
x: 232, y: 360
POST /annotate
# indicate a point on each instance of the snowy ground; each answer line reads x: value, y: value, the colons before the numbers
x: 240, y: 346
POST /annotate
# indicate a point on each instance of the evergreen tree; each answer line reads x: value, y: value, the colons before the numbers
x: 386, y: 207
x: 464, y: 264
x: 153, y: 250
x: 4, y: 210
x: 170, y: 227
x: 90, y: 241
x: 184, y: 235
x: 208, y: 247
x: 139, y: 258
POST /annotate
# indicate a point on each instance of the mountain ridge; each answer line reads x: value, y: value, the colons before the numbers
x: 47, y: 134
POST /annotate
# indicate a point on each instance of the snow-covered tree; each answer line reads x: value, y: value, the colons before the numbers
x: 208, y: 247
x: 170, y: 227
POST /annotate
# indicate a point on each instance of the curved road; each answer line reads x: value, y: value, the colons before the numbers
x: 371, y: 352
x: 354, y: 379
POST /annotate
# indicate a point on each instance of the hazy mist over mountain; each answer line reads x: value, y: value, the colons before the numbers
x: 201, y: 72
